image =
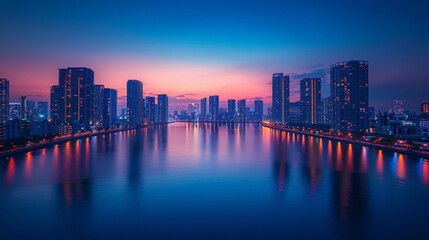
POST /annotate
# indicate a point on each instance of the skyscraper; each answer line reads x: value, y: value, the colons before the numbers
x: 349, y: 89
x: 76, y: 87
x: 23, y: 107
x: 231, y: 110
x: 109, y: 107
x: 311, y: 100
x: 259, y: 110
x: 241, y: 110
x: 31, y: 108
x: 14, y: 111
x: 149, y: 113
x: 55, y: 104
x: 214, y: 108
x: 134, y: 101
x: 4, y: 100
x: 98, y: 103
x: 203, y: 112
x: 42, y: 109
x: 280, y: 95
x: 162, y: 108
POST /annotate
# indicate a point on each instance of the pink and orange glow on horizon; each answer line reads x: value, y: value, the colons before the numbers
x: 184, y: 82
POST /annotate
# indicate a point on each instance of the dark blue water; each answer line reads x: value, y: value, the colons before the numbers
x: 213, y: 182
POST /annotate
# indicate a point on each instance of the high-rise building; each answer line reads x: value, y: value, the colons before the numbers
x: 23, y: 107
x: 42, y: 109
x: 134, y: 101
x: 14, y: 111
x: 76, y: 87
x: 55, y: 104
x: 149, y: 113
x: 259, y: 110
x: 241, y: 110
x: 270, y: 113
x: 349, y: 89
x: 424, y: 107
x: 398, y: 107
x: 203, y: 112
x: 98, y: 103
x: 231, y: 110
x: 295, y: 112
x: 31, y: 108
x: 311, y: 98
x: 280, y: 95
x: 162, y: 108
x: 214, y: 108
x: 4, y: 100
x: 109, y: 107
x: 327, y: 110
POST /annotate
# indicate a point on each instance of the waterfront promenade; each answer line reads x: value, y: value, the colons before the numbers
x: 424, y: 154
x: 63, y: 139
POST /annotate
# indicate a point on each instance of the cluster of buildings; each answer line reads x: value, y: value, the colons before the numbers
x: 236, y: 111
x: 77, y: 104
x: 401, y: 123
x: 346, y: 109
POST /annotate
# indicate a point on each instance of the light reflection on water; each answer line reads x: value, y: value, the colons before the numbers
x: 212, y: 181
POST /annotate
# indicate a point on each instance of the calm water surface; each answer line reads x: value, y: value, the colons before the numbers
x: 186, y: 181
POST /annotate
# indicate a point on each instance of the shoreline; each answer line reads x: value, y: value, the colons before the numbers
x: 361, y: 143
x: 11, y: 153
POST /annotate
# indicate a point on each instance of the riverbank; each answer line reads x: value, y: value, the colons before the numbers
x: 351, y: 141
x: 64, y: 139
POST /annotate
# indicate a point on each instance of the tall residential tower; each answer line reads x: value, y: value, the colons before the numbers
x: 349, y: 89
x: 280, y: 95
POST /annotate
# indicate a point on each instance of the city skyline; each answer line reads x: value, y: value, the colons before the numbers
x: 188, y: 60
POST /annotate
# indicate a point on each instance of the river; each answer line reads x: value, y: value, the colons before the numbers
x: 212, y: 181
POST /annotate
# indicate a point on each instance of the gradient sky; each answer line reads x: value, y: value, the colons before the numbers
x: 191, y: 49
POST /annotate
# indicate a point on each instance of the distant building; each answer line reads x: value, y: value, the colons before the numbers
x: 398, y: 107
x: 203, y: 111
x: 98, y: 104
x: 55, y: 99
x: 270, y: 113
x: 259, y: 110
x: 327, y: 110
x: 4, y: 100
x: 31, y: 109
x: 109, y: 107
x: 149, y: 112
x: 14, y: 111
x: 311, y: 99
x: 123, y: 118
x: 23, y: 107
x: 162, y: 108
x: 214, y: 108
x: 295, y: 114
x: 349, y: 89
x: 134, y: 101
x: 231, y: 110
x: 42, y: 110
x: 241, y: 110
x: 280, y: 95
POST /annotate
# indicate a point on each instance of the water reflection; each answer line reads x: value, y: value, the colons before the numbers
x: 280, y: 160
x: 208, y: 177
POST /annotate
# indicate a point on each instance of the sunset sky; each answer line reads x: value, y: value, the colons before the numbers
x: 192, y: 49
